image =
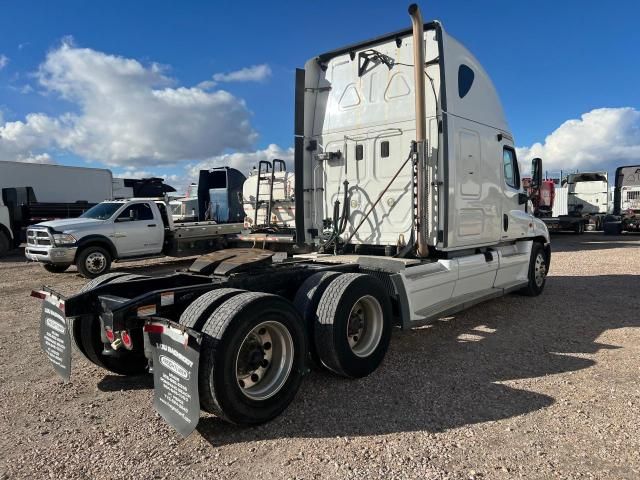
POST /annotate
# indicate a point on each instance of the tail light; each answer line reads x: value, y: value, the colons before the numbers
x: 110, y: 335
x: 126, y: 340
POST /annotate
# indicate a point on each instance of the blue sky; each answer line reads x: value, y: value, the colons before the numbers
x: 551, y: 61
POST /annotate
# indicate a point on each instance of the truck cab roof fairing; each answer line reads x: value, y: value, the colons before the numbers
x: 481, y: 96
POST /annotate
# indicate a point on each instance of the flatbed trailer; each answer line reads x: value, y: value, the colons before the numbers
x: 378, y: 244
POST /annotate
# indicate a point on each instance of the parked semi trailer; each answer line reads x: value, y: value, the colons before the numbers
x: 408, y: 207
x: 626, y: 202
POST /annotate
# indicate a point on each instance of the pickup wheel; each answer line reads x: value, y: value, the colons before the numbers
x: 5, y: 244
x: 199, y: 311
x: 306, y: 302
x: 86, y: 335
x: 55, y: 268
x: 93, y: 261
x: 353, y: 327
x: 252, y: 358
x: 538, y: 269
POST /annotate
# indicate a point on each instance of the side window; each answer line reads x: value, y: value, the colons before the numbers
x: 510, y: 167
x: 136, y: 212
x: 465, y: 80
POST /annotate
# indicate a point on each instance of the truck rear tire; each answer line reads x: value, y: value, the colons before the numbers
x: 5, y: 244
x: 306, y: 302
x: 538, y: 269
x: 353, y: 327
x: 55, y: 268
x: 252, y: 358
x: 93, y: 261
x: 86, y: 335
x: 199, y: 311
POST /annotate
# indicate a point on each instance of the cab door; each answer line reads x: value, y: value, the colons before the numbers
x: 515, y: 221
x: 138, y: 230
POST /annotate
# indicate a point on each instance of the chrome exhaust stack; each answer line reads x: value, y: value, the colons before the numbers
x: 421, y: 130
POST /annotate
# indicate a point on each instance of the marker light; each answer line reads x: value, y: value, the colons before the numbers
x: 126, y: 339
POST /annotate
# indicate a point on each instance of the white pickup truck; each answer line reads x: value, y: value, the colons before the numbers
x: 120, y: 230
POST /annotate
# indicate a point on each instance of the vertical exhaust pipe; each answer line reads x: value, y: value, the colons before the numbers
x: 421, y: 130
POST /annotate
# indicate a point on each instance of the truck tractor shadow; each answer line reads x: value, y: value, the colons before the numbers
x: 116, y: 383
x: 484, y: 365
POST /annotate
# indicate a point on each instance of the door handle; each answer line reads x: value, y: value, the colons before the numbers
x: 151, y: 225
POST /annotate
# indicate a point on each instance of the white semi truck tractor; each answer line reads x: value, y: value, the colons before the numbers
x: 408, y: 207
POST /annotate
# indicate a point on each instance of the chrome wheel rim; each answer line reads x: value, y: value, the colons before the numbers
x: 264, y: 360
x: 95, y: 262
x: 540, y: 270
x: 365, y: 325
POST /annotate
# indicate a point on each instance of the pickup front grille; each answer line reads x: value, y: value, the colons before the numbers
x: 39, y: 238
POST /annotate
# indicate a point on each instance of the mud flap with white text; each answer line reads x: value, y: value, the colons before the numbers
x: 176, y: 353
x: 54, y: 336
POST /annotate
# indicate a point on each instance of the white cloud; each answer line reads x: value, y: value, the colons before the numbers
x: 255, y: 73
x: 126, y: 113
x: 4, y: 60
x: 243, y: 161
x: 601, y: 139
x: 37, y: 158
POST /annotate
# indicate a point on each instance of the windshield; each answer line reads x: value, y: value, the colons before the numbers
x: 102, y: 211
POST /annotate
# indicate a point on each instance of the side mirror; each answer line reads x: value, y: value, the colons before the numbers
x: 536, y: 173
x: 523, y: 198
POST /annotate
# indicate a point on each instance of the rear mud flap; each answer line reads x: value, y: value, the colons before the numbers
x: 176, y: 354
x: 55, y: 339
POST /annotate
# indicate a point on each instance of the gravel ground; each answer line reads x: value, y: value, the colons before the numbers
x: 541, y: 387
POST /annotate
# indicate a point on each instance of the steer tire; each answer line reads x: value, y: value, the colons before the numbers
x: 5, y: 244
x: 85, y: 332
x: 538, y: 262
x: 83, y: 256
x: 55, y: 268
x: 349, y: 298
x: 228, y: 328
x: 306, y: 302
x: 199, y: 311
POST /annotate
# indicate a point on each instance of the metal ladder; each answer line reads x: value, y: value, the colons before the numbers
x: 267, y: 175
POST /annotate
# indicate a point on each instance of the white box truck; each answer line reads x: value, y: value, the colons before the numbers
x: 34, y: 192
x: 409, y: 206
